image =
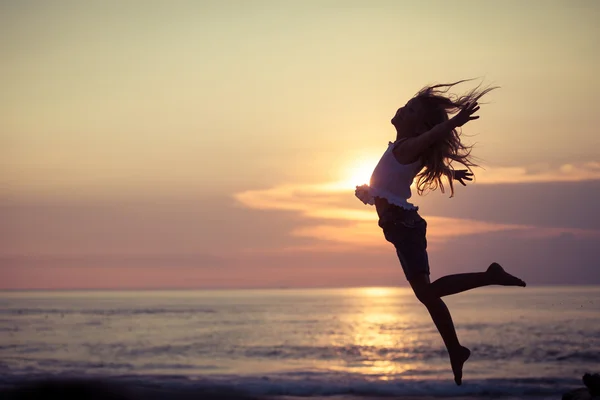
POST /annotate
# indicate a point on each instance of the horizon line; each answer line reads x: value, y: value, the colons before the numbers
x: 266, y: 288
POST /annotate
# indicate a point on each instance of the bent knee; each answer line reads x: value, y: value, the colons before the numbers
x: 426, y: 295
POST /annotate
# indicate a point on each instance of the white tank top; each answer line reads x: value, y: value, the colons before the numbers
x: 390, y: 180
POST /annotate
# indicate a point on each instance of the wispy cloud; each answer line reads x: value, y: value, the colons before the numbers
x: 368, y: 234
x: 336, y: 226
x: 113, y: 260
x: 312, y: 200
x: 323, y: 200
x: 439, y: 230
x: 540, y: 173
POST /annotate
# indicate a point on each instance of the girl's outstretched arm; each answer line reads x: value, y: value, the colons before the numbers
x: 417, y: 145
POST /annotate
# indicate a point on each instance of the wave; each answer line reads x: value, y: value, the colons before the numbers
x: 199, y: 350
x: 308, y: 384
x: 104, y: 311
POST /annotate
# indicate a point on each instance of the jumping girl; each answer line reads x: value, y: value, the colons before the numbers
x: 427, y: 143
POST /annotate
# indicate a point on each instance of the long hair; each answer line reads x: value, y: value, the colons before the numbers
x: 437, y: 104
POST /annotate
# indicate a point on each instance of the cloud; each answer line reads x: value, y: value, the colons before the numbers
x: 541, y: 173
x: 440, y: 230
x: 147, y: 260
x: 320, y: 200
x: 368, y: 234
x: 564, y: 258
x: 330, y: 221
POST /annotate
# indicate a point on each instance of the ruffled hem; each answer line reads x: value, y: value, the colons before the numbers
x: 367, y: 194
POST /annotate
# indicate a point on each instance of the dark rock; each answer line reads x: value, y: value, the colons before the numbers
x: 592, y: 382
x: 577, y: 394
x: 591, y: 391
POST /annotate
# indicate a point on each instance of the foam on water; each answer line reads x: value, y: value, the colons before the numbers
x: 310, y: 384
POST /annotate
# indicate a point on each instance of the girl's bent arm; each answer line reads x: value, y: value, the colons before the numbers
x: 415, y: 146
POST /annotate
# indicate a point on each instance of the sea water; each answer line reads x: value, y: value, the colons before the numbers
x: 314, y: 342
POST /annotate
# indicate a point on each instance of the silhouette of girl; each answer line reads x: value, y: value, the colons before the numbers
x: 427, y: 143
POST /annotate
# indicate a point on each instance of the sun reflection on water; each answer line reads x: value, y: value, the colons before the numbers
x: 376, y: 291
x: 378, y: 336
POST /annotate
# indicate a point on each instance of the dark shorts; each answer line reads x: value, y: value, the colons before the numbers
x: 407, y: 230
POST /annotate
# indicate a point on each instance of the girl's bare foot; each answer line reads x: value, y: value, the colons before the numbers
x: 499, y: 276
x: 457, y: 359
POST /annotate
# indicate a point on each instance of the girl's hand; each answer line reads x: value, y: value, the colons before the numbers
x: 466, y: 114
x: 461, y: 174
x: 362, y: 192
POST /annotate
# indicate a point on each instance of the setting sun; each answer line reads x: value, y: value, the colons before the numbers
x: 360, y: 172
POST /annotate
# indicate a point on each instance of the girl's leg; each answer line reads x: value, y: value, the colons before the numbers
x: 443, y: 321
x: 495, y: 275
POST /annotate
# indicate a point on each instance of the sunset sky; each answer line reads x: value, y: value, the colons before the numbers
x: 208, y: 144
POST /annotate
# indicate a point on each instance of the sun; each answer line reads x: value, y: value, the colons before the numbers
x: 359, y: 173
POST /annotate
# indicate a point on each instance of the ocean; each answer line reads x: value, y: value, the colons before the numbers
x: 533, y: 342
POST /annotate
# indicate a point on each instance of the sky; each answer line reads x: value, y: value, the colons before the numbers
x: 217, y: 144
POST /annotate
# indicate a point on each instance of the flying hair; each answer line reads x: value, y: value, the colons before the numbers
x: 438, y: 160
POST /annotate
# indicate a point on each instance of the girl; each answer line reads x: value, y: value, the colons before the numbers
x: 427, y: 142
